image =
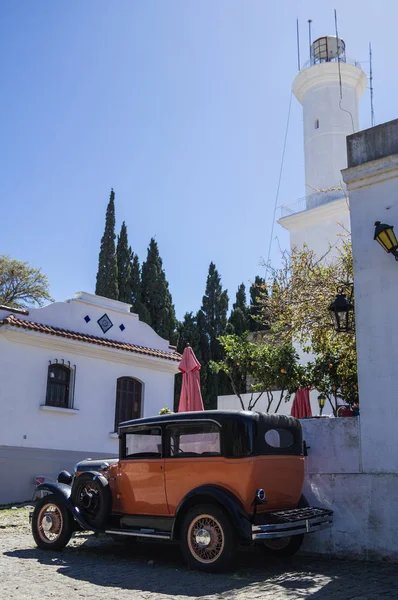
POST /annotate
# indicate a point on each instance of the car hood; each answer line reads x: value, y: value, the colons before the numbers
x: 98, y: 464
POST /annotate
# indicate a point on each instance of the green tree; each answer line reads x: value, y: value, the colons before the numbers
x: 21, y: 285
x: 107, y: 279
x: 258, y: 296
x: 135, y: 287
x: 214, y: 308
x: 212, y: 322
x: 303, y: 289
x: 123, y: 265
x: 272, y: 367
x: 238, y: 321
x: 156, y: 297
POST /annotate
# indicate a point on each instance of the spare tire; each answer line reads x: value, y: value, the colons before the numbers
x: 92, y: 495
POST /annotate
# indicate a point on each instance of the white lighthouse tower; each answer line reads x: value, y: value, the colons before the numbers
x: 328, y: 87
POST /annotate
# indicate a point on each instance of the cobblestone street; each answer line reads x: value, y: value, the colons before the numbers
x: 99, y: 568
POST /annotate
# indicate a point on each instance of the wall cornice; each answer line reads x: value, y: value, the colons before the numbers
x: 371, y: 173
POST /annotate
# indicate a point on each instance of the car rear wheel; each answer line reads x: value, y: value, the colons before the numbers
x: 52, y: 523
x: 207, y: 539
x: 281, y: 547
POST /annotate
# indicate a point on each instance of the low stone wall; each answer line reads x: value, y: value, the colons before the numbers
x: 364, y: 504
x: 19, y: 466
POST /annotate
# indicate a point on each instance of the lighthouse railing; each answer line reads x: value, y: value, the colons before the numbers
x: 312, y: 201
x: 343, y: 59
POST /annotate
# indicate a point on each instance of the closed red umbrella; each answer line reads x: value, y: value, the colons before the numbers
x: 191, y: 396
x: 301, y: 404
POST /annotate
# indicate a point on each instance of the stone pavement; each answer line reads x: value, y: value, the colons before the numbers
x: 101, y: 569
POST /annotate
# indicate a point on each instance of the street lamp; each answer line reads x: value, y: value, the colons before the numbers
x: 341, y: 312
x: 384, y: 234
x: 321, y: 402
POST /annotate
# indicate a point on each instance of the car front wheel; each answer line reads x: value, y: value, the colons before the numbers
x: 207, y: 539
x: 52, y: 524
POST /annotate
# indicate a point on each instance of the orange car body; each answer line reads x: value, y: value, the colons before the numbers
x: 157, y: 487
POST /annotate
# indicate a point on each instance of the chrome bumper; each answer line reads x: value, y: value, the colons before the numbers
x: 297, y: 521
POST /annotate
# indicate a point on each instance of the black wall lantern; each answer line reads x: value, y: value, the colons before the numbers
x: 384, y: 234
x: 321, y: 403
x: 341, y: 312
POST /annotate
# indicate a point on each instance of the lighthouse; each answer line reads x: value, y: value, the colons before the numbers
x: 328, y: 87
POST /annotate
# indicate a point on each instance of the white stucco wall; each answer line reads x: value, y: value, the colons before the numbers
x: 23, y: 381
x: 231, y: 402
x: 25, y: 357
x: 374, y: 197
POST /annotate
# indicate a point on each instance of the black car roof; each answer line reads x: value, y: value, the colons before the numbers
x: 213, y: 415
x: 220, y: 416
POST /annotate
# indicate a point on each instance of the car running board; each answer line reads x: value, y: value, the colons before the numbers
x: 145, y: 533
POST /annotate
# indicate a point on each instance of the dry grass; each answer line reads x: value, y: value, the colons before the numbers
x: 15, y: 517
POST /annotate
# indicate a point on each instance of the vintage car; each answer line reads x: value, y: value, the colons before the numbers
x: 210, y: 480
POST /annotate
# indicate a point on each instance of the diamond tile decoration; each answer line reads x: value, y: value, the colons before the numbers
x: 122, y: 327
x: 87, y: 319
x: 105, y: 323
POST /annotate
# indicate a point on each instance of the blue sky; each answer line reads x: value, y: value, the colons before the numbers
x: 181, y: 107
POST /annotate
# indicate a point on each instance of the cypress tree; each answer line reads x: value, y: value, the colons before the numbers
x: 123, y: 265
x: 238, y: 321
x: 214, y: 308
x: 240, y: 298
x: 135, y: 286
x: 213, y: 321
x: 156, y: 297
x: 107, y: 284
x: 257, y: 291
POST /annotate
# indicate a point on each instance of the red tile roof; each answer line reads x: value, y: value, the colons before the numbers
x: 90, y: 339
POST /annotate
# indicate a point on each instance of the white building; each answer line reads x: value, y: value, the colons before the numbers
x: 330, y: 113
x: 69, y: 373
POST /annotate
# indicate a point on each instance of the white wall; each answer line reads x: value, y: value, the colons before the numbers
x: 23, y: 380
x: 25, y: 356
x: 373, y: 188
x: 231, y: 402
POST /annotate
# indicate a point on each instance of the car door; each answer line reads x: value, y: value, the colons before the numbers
x: 140, y: 485
x: 193, y: 458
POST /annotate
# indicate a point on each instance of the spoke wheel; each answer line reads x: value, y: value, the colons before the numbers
x: 207, y: 538
x: 52, y: 525
x: 92, y: 496
x: 89, y: 499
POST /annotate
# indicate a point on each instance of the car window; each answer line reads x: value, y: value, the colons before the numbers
x: 143, y: 443
x: 196, y: 439
x: 279, y: 438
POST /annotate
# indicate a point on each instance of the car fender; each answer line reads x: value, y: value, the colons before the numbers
x: 212, y: 493
x: 63, y: 491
